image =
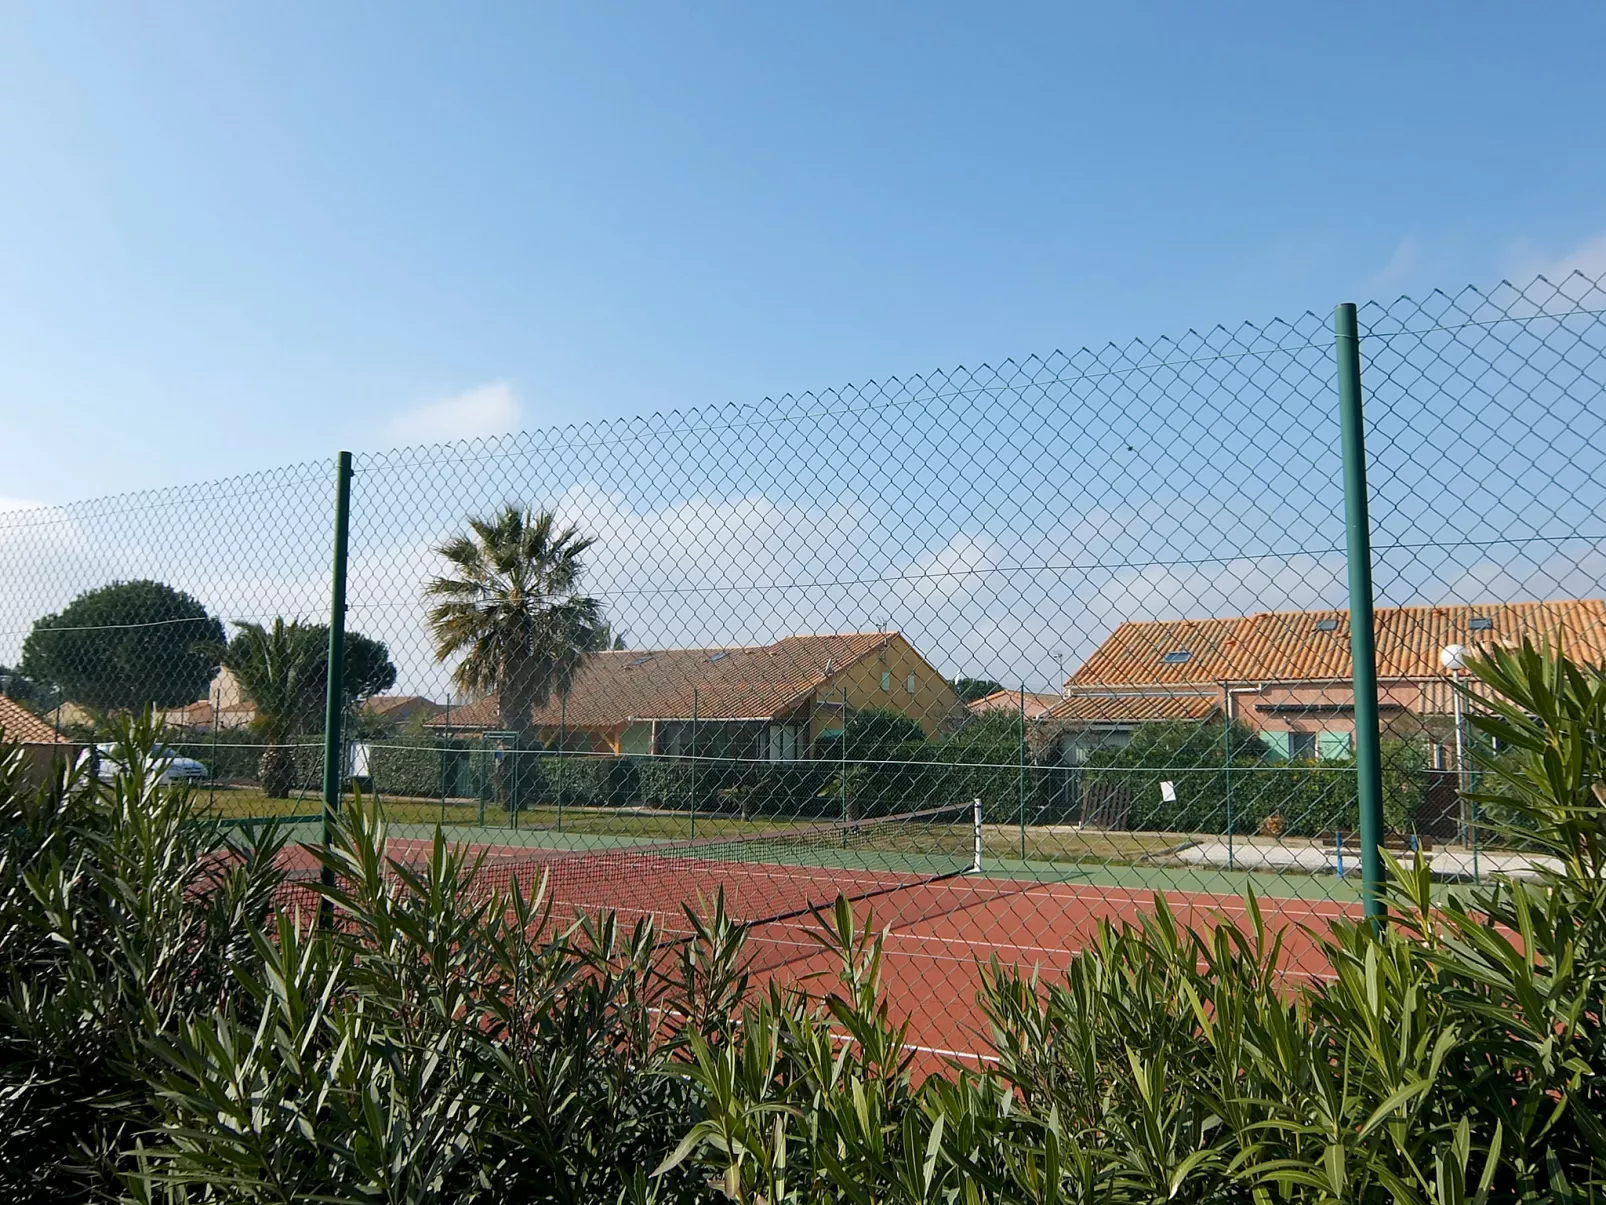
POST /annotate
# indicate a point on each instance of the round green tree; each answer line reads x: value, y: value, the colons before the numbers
x: 284, y: 669
x: 126, y: 646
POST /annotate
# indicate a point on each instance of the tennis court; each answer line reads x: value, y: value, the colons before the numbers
x: 943, y: 909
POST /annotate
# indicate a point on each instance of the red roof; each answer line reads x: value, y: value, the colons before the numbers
x: 758, y: 682
x: 1132, y: 707
x: 21, y: 727
x: 1012, y: 701
x: 1314, y: 646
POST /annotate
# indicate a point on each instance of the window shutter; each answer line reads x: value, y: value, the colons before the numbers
x: 1277, y: 742
x: 1332, y: 746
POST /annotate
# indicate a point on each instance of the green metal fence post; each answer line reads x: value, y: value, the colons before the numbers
x: 844, y: 759
x: 1363, y: 645
x: 1226, y: 770
x: 694, y: 701
x: 1021, y: 785
x: 334, y: 698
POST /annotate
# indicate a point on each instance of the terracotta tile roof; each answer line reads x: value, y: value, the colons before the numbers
x: 1131, y: 707
x: 22, y: 727
x: 203, y: 714
x: 758, y: 682
x: 1010, y: 700
x: 1313, y: 646
x: 403, y: 706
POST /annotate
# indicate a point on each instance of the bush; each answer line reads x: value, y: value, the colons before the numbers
x: 586, y: 780
x: 1312, y: 799
x: 739, y: 787
x: 163, y: 1040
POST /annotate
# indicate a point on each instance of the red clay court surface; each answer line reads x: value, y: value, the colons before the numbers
x: 937, y: 934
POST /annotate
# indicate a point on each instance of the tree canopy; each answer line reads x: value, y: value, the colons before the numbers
x: 283, y: 668
x: 510, y: 610
x: 126, y: 646
x: 971, y: 689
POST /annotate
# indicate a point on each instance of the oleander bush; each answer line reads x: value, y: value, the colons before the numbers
x: 172, y: 1031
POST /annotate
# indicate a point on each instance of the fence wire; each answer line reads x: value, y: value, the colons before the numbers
x: 1002, y: 651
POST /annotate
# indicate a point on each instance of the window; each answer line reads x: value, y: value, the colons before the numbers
x: 719, y: 656
x: 886, y: 679
x: 1480, y: 623
x: 642, y: 660
x: 1327, y: 625
x: 781, y: 743
x: 1291, y: 746
x: 1179, y: 657
x: 909, y: 684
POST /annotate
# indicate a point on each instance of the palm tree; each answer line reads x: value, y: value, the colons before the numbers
x: 608, y: 640
x: 281, y: 669
x: 511, y: 611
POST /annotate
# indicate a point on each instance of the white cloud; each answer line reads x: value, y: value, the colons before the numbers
x: 1403, y: 265
x: 1588, y: 257
x: 489, y: 409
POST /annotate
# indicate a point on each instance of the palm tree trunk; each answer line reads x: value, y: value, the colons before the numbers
x: 277, y: 771
x: 516, y: 713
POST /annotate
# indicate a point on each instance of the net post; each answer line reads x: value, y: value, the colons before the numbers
x: 1363, y: 641
x: 335, y: 686
x: 975, y: 864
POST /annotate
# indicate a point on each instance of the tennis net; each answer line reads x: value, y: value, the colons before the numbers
x: 766, y: 876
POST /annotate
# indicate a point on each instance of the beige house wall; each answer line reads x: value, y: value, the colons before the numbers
x: 881, y: 682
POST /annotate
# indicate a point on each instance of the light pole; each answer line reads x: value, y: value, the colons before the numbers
x: 1454, y: 659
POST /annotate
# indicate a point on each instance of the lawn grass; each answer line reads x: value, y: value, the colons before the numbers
x: 409, y: 815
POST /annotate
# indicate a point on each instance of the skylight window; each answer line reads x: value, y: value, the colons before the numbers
x: 1480, y: 623
x: 1177, y: 657
x: 719, y: 656
x: 1327, y: 625
x: 642, y: 660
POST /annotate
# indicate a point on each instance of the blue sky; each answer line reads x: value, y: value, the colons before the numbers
x: 239, y: 236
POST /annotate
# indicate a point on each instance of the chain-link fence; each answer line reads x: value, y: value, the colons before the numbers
x: 1003, y: 651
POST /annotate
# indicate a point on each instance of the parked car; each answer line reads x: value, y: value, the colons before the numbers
x: 174, y: 765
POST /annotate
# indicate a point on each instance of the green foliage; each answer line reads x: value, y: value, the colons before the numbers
x: 980, y: 743
x: 163, y: 1040
x: 1310, y: 798
x: 122, y: 912
x: 886, y: 758
x: 971, y: 689
x: 414, y: 768
x: 126, y: 646
x: 37, y: 697
x: 591, y: 781
x: 1457, y: 1054
x: 739, y: 786
x: 284, y: 670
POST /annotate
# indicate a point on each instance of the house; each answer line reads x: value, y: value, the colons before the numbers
x: 226, y: 706
x: 45, y: 751
x: 773, y: 702
x: 399, y: 709
x: 1287, y: 675
x: 1014, y: 702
